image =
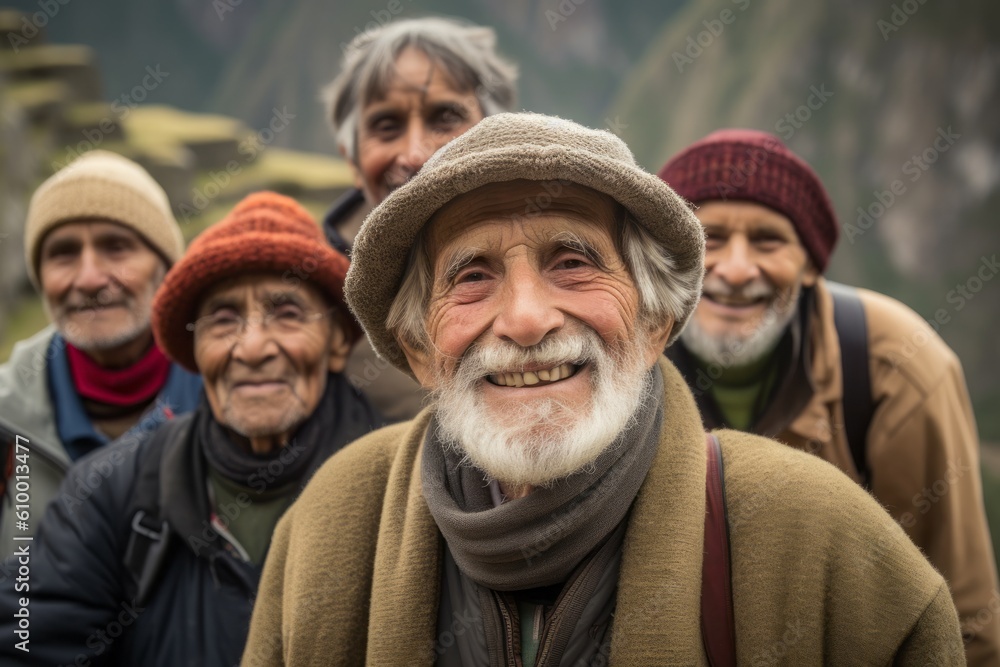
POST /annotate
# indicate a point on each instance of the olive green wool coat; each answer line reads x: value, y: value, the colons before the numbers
x: 821, y: 574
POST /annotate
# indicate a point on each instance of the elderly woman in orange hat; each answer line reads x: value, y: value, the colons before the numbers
x: 158, y: 562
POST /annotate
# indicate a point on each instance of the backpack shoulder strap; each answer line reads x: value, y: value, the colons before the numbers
x: 852, y: 332
x: 149, y: 537
x: 718, y: 625
x: 8, y: 443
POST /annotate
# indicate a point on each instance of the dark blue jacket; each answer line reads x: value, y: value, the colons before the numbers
x: 40, y: 402
x: 345, y: 206
x: 178, y: 396
x: 82, y: 598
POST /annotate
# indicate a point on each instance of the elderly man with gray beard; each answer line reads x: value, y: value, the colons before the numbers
x: 98, y: 240
x: 554, y: 503
x: 852, y: 376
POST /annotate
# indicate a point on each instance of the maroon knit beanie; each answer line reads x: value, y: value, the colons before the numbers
x: 266, y: 232
x: 749, y: 165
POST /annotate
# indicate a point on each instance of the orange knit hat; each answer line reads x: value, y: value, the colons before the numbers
x: 266, y: 232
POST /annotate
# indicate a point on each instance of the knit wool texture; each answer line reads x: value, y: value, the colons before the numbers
x: 100, y: 185
x: 507, y: 147
x: 264, y: 233
x: 754, y: 166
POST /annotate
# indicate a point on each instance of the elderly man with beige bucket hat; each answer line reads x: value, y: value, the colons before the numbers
x: 558, y: 503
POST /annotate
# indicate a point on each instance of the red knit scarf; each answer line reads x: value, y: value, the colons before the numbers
x: 132, y: 385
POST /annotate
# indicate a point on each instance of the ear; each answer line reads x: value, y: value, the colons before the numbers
x: 420, y: 364
x: 340, y: 346
x: 657, y: 340
x: 809, y: 274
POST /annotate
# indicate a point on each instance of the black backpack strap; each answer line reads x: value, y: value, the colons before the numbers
x: 859, y: 407
x: 8, y: 443
x: 718, y: 624
x: 149, y: 538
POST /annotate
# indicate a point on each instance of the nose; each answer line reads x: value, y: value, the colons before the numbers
x: 254, y: 346
x: 735, y: 262
x: 93, y: 275
x: 527, y: 311
x: 417, y: 148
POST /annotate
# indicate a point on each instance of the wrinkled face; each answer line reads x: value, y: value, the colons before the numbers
x: 537, y: 355
x: 755, y: 268
x: 98, y: 280
x: 421, y: 111
x: 264, y: 349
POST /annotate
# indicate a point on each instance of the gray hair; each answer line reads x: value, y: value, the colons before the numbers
x: 663, y: 292
x: 467, y: 52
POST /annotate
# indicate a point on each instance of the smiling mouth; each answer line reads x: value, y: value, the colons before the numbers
x: 93, y: 308
x: 532, y: 378
x: 735, y: 302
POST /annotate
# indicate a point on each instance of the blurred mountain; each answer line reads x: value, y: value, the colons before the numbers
x: 246, y: 57
x: 894, y: 104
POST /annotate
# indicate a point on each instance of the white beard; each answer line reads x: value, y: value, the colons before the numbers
x: 82, y: 337
x: 740, y: 349
x: 88, y: 341
x: 540, y: 442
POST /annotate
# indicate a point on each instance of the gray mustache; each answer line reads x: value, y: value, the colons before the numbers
x: 757, y: 289
x: 94, y: 303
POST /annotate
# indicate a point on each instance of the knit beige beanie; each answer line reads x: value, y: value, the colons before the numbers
x: 507, y: 147
x: 102, y: 186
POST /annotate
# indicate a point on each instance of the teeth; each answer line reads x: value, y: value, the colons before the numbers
x: 531, y: 378
x: 729, y: 301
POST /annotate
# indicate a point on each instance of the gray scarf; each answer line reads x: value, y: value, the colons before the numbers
x: 538, y: 540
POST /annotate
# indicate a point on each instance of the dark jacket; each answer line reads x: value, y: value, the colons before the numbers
x: 82, y: 599
x: 350, y: 204
x: 38, y: 399
x: 396, y: 395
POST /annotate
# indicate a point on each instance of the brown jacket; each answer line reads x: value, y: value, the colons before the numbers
x: 821, y: 574
x: 922, y: 448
